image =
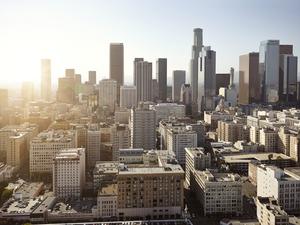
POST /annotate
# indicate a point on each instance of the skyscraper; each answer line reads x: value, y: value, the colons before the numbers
x: 46, y: 79
x: 3, y: 98
x: 161, y: 76
x: 288, y: 71
x: 92, y: 77
x: 128, y: 96
x: 269, y: 70
x: 178, y: 81
x: 194, y: 65
x: 249, y: 80
x: 66, y: 90
x: 207, y: 80
x: 108, y: 93
x: 143, y: 79
x: 222, y: 80
x: 116, y: 65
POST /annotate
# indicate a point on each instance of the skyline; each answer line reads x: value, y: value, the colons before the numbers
x: 79, y: 35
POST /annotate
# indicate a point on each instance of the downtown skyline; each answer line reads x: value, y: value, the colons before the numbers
x: 66, y: 39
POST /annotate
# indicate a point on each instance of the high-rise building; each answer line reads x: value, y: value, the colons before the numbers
x: 186, y: 94
x: 128, y: 98
x: 92, y: 77
x: 288, y: 78
x: 108, y: 93
x: 249, y: 80
x: 16, y: 149
x: 116, y: 65
x: 46, y: 79
x: 93, y: 147
x: 44, y: 148
x: 143, y: 79
x: 120, y: 139
x: 207, y: 80
x: 166, y: 110
x: 143, y: 127
x: 155, y: 93
x: 232, y: 131
x: 69, y: 173
x: 194, y: 63
x: 268, y: 138
x: 3, y: 98
x: 222, y: 80
x: 178, y: 81
x: 295, y: 147
x: 269, y: 70
x: 179, y: 138
x: 27, y: 91
x: 66, y: 90
x: 161, y: 76
x: 70, y: 73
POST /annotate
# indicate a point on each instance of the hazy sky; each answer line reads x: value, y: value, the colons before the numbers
x: 76, y: 34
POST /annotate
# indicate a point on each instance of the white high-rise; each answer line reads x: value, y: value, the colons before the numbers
x: 143, y: 128
x: 69, y: 173
x: 108, y: 93
x: 194, y: 63
x: 178, y: 81
x: 128, y: 98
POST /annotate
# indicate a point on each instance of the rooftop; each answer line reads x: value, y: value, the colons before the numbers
x: 111, y: 189
x: 243, y: 157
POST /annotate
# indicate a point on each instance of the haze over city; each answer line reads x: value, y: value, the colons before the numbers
x: 76, y: 34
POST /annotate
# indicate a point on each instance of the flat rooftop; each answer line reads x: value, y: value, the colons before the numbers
x: 242, y: 157
x: 111, y: 189
x: 152, y: 170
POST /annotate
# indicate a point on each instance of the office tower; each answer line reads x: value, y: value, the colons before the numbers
x: 161, y: 76
x: 210, y: 187
x: 108, y: 93
x: 268, y: 138
x: 269, y: 70
x: 81, y: 136
x: 222, y: 80
x: 69, y: 173
x: 200, y: 128
x: 195, y: 159
x: 45, y: 146
x: 229, y: 93
x: 249, y: 80
x: 128, y: 98
x: 155, y: 93
x: 186, y: 94
x: 143, y: 79
x: 166, y: 110
x: 288, y: 78
x: 46, y: 79
x: 194, y: 64
x: 143, y: 127
x: 280, y: 184
x: 93, y: 147
x: 286, y: 49
x: 27, y: 92
x: 179, y: 138
x: 70, y: 73
x: 178, y: 81
x: 92, y: 77
x: 66, y: 90
x: 284, y: 141
x: 120, y: 139
x: 3, y: 98
x: 116, y: 65
x: 207, y: 80
x: 77, y: 79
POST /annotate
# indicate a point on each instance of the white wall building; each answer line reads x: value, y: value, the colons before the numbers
x: 178, y: 81
x: 166, y: 110
x: 69, y: 173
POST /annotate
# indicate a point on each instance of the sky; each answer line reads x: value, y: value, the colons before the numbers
x: 76, y: 34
